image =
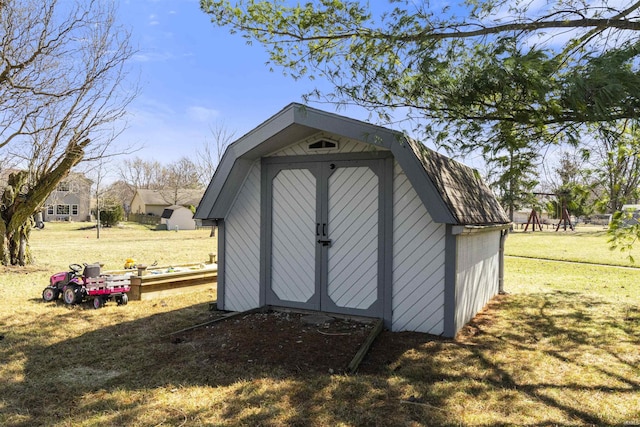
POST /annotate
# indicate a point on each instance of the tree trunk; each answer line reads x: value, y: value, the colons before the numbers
x: 14, y: 246
x: 21, y: 199
x: 4, y: 244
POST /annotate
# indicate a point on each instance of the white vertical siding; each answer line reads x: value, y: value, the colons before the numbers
x: 242, y: 246
x: 418, y: 262
x: 477, y: 273
x: 344, y: 146
x: 293, y: 259
x: 353, y: 227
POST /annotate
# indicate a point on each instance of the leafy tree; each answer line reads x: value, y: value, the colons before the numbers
x: 576, y: 199
x: 615, y: 156
x: 571, y: 169
x: 513, y: 163
x: 458, y: 75
x: 62, y: 74
x: 572, y: 186
x: 423, y: 60
x: 509, y: 148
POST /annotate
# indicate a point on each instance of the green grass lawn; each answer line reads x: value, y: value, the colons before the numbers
x: 586, y: 244
x: 562, y: 348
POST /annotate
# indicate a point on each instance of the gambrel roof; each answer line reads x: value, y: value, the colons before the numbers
x: 464, y: 191
x: 452, y: 192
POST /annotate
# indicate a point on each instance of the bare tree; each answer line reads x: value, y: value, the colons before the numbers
x: 99, y: 170
x: 140, y: 173
x: 208, y: 156
x: 177, y: 177
x: 62, y: 89
x: 122, y: 192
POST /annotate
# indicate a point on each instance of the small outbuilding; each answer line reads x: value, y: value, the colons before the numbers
x: 154, y: 202
x: 178, y: 218
x: 322, y: 212
x: 630, y: 215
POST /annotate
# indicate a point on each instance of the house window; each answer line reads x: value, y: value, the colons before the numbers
x: 62, y: 209
x: 63, y: 186
x: 323, y: 144
x: 50, y: 210
x: 74, y: 210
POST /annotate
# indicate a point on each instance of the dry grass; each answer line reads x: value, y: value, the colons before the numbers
x: 59, y: 244
x: 547, y: 354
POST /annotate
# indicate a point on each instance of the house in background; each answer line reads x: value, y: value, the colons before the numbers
x: 154, y: 202
x: 70, y: 201
x: 321, y: 212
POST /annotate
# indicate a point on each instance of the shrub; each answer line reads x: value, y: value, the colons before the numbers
x: 111, y: 215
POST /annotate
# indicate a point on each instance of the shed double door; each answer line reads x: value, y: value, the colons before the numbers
x: 323, y: 236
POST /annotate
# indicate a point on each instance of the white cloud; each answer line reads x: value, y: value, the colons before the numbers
x: 202, y: 114
x: 153, y: 56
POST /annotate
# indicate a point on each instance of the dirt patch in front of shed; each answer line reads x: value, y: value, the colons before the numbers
x: 282, y: 340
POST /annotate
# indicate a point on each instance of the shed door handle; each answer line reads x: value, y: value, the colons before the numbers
x: 325, y: 242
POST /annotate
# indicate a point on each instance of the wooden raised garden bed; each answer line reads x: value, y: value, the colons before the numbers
x: 162, y: 281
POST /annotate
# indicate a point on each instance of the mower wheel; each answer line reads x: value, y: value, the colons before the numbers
x: 98, y: 302
x: 123, y: 300
x: 50, y: 294
x: 69, y: 294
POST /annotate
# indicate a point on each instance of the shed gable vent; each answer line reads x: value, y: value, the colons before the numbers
x: 323, y: 144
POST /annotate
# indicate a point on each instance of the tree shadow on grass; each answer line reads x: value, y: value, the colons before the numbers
x: 526, y: 360
x: 134, y: 373
x: 552, y: 358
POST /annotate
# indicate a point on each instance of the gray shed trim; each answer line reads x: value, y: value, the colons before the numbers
x: 450, y: 326
x: 430, y: 173
x: 381, y: 162
x: 387, y: 262
x: 221, y: 265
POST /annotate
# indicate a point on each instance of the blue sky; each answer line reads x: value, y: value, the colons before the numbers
x: 193, y: 75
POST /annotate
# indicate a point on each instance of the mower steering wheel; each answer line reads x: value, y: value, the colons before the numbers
x: 76, y: 268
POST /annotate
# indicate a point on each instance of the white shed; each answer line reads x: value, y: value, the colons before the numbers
x: 178, y: 218
x: 322, y: 212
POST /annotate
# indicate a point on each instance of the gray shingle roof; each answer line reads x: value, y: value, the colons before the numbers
x: 464, y: 192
